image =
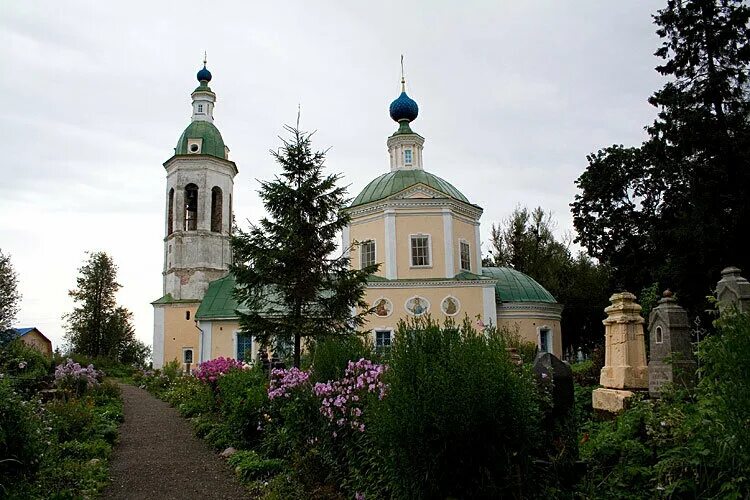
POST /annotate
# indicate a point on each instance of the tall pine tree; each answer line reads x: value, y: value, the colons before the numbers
x: 9, y: 295
x: 675, y: 210
x: 292, y: 280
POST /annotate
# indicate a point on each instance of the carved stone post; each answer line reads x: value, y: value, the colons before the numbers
x: 624, y: 356
x: 733, y: 291
x: 671, y: 353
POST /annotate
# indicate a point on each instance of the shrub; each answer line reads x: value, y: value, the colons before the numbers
x: 74, y: 379
x: 20, y: 442
x: 243, y: 400
x: 210, y: 371
x: 25, y: 366
x: 252, y: 467
x: 330, y: 356
x: 70, y: 419
x: 190, y: 396
x: 460, y: 420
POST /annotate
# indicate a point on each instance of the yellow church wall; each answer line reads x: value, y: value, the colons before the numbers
x: 528, y: 328
x: 425, y: 223
x: 180, y: 332
x: 470, y: 299
x: 368, y: 229
x: 463, y: 230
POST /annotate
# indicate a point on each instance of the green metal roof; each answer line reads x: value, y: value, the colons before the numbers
x: 219, y: 300
x: 514, y: 286
x: 394, y: 182
x: 212, y: 144
x: 168, y: 299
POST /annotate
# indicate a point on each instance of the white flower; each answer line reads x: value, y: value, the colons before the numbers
x: 22, y: 365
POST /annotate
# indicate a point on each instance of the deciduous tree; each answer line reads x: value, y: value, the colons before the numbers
x: 675, y: 210
x: 9, y: 295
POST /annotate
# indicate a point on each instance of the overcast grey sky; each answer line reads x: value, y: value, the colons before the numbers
x: 512, y: 96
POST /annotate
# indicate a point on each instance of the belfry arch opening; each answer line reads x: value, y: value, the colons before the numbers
x: 191, y: 207
x: 170, y: 213
x: 216, y: 209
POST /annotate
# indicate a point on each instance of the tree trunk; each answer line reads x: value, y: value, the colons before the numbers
x: 297, y: 349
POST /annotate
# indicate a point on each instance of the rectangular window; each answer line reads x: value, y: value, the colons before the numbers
x: 244, y: 347
x: 367, y: 253
x: 187, y: 356
x: 545, y: 340
x: 200, y: 108
x: 382, y: 340
x: 407, y: 156
x: 420, y: 250
x: 465, y: 256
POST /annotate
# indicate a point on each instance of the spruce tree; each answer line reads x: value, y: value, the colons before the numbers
x: 293, y: 281
x: 98, y: 326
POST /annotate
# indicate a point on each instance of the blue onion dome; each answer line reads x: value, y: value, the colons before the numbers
x: 404, y: 108
x: 204, y: 75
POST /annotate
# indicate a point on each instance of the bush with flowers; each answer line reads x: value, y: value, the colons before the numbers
x: 74, y: 379
x: 210, y: 371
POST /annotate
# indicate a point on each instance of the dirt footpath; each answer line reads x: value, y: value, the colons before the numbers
x: 158, y: 456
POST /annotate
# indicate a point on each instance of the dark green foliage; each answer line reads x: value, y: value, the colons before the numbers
x: 525, y: 242
x: 460, y: 420
x: 20, y: 440
x: 98, y: 326
x: 638, y: 208
x: 62, y: 446
x: 252, y: 467
x: 24, y: 366
x: 686, y: 445
x: 243, y: 399
x: 330, y: 356
x: 286, y: 271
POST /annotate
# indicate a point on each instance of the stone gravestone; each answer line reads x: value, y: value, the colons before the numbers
x: 624, y: 354
x: 550, y: 369
x: 670, y: 350
x: 733, y: 291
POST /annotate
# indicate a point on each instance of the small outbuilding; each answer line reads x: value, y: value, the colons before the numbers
x: 32, y: 337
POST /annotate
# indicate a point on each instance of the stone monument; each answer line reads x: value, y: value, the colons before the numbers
x: 625, y: 366
x: 671, y: 355
x: 733, y: 291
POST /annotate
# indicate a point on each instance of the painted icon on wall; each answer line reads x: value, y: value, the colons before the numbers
x: 383, y: 307
x: 417, y: 306
x: 450, y: 306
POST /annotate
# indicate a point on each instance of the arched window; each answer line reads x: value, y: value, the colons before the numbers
x: 191, y: 207
x: 216, y: 202
x: 170, y: 213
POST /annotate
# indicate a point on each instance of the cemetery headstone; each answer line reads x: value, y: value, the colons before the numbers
x: 625, y: 367
x: 733, y: 291
x: 670, y: 350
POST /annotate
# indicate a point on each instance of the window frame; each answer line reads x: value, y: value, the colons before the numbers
x: 383, y: 348
x: 411, y: 251
x: 659, y: 335
x: 185, y: 350
x: 547, y: 331
x: 200, y: 108
x: 362, y: 263
x: 250, y: 338
x: 410, y: 153
x: 461, y: 243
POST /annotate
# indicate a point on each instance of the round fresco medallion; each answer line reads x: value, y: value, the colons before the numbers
x: 383, y: 307
x: 417, y: 306
x: 450, y: 306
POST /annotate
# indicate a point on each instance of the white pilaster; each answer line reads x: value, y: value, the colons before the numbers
x: 489, y: 306
x: 158, y: 352
x: 345, y: 241
x: 391, y: 271
x: 478, y: 246
x: 450, y: 261
x: 206, y: 329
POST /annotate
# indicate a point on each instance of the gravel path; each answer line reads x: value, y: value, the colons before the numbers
x: 159, y: 457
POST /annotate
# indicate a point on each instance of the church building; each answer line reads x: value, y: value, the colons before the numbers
x: 422, y: 230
